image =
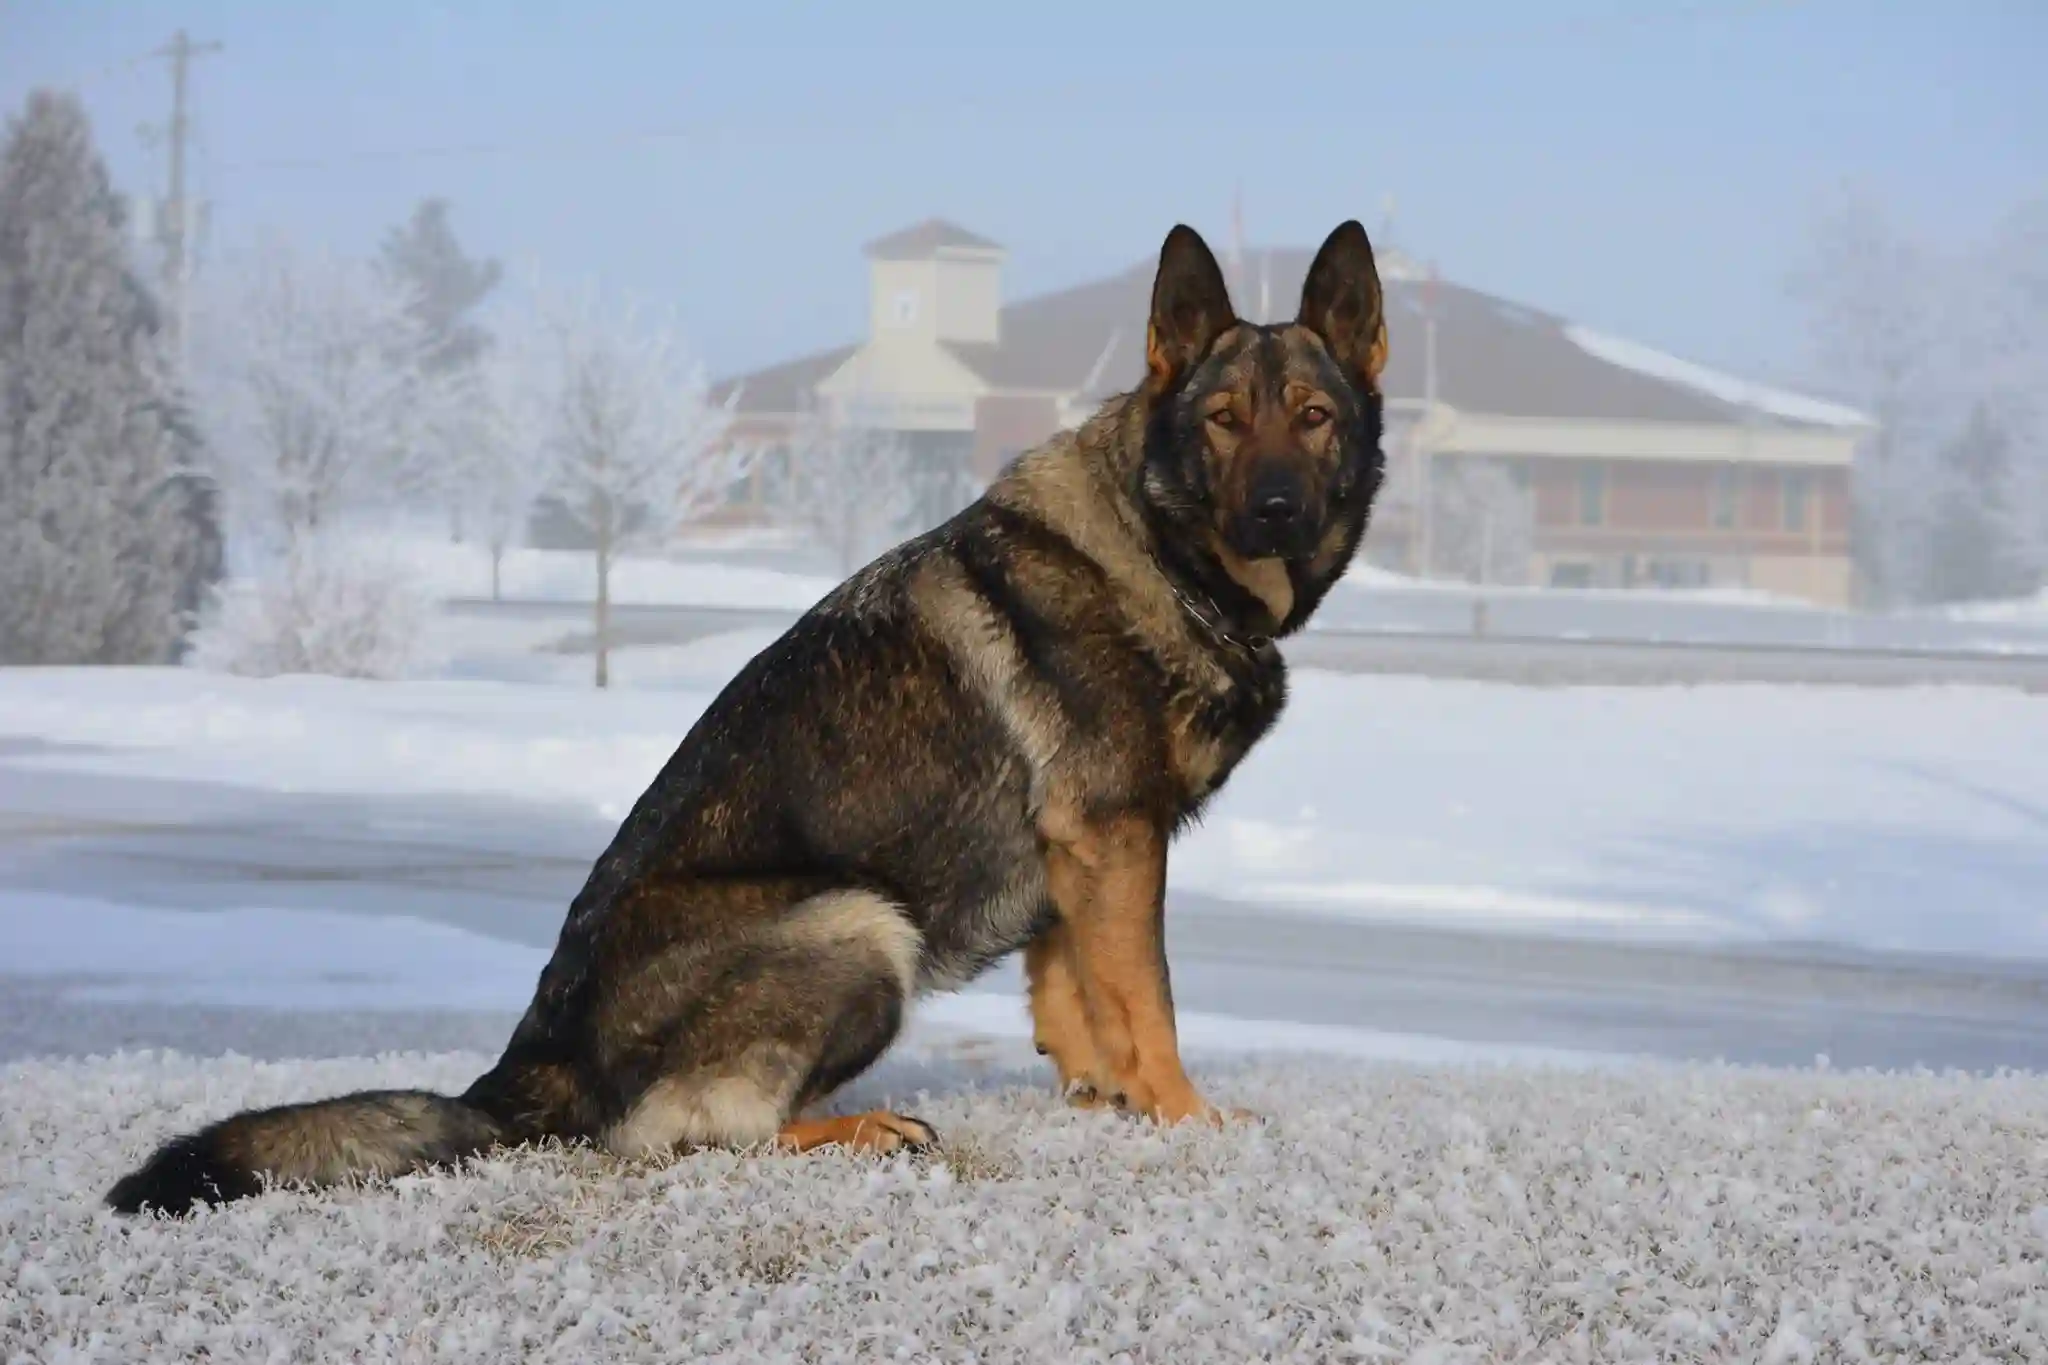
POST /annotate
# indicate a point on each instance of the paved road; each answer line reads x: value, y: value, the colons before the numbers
x: 1530, y: 660
x: 508, y: 869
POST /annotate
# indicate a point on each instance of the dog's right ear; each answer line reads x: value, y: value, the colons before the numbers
x: 1190, y: 309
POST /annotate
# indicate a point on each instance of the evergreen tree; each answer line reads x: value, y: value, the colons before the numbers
x: 106, y: 533
x: 444, y: 284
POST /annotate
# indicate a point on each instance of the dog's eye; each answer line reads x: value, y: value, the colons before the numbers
x: 1314, y: 415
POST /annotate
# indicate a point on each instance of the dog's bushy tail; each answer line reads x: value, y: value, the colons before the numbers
x: 372, y: 1133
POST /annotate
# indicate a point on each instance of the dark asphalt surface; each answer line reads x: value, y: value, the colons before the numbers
x: 508, y: 869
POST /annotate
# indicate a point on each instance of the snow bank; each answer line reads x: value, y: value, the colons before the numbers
x: 1903, y: 819
x: 2020, y: 611
x: 1370, y: 579
x: 1383, y: 1212
x: 1727, y: 388
x: 581, y: 747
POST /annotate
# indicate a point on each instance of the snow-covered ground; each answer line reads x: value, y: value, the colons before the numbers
x: 1381, y: 1212
x: 2021, y: 611
x: 1909, y: 819
x: 449, y: 570
x: 768, y: 570
x: 1407, y: 1198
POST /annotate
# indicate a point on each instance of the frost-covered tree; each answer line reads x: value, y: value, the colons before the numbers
x: 1950, y: 354
x: 1878, y: 315
x: 105, y: 529
x: 851, y: 486
x: 313, y: 375
x: 2005, y: 307
x: 324, y: 605
x: 1484, y: 521
x: 312, y: 368
x: 500, y: 442
x: 1978, y: 545
x: 444, y: 286
x: 637, y: 446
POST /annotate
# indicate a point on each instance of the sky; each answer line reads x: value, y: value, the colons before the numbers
x: 1647, y: 167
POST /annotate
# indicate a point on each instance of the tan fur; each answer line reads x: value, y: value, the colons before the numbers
x: 322, y: 1142
x: 692, y: 1110
x: 1108, y: 879
x: 878, y: 1130
x: 744, y: 1101
x: 1265, y: 579
x: 1059, y: 1018
x: 1073, y: 485
x: 1197, y: 756
x: 986, y: 650
x: 845, y: 922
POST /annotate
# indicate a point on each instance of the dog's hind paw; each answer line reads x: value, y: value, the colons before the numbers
x: 875, y: 1131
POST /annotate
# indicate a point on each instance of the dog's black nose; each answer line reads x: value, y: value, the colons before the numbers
x: 1277, y: 509
x: 1276, y: 499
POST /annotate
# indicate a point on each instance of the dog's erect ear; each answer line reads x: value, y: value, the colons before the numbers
x: 1341, y: 303
x: 1190, y: 308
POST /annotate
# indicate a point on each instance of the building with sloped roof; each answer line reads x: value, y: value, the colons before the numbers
x: 1628, y: 466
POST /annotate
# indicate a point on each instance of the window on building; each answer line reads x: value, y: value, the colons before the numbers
x: 1724, y: 497
x: 904, y: 307
x: 1796, y: 497
x: 1592, y: 495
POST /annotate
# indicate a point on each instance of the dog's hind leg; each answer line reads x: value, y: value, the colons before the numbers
x: 775, y: 1022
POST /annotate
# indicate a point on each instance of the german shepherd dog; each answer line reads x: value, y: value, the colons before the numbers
x: 981, y: 742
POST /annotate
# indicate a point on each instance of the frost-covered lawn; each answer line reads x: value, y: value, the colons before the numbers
x: 1384, y: 1212
x: 1911, y: 819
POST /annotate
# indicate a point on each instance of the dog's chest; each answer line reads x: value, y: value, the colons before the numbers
x: 1213, y: 721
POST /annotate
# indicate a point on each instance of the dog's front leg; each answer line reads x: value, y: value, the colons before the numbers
x: 1059, y: 1017
x: 1108, y: 880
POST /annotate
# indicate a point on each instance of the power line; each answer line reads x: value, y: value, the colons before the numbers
x: 1642, y: 17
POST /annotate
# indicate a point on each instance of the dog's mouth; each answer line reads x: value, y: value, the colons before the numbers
x: 1281, y: 516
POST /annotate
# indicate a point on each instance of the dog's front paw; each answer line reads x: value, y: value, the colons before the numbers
x: 1083, y: 1095
x: 1192, y: 1108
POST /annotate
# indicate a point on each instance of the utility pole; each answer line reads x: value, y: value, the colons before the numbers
x: 176, y: 214
x: 1424, y: 429
x: 1236, y: 280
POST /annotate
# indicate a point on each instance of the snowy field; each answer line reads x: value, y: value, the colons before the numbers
x: 1380, y: 1213
x: 1905, y: 819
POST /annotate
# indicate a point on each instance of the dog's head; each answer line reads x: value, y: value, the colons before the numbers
x: 1263, y: 441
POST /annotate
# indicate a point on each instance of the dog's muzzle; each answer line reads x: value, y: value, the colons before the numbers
x: 1277, y: 518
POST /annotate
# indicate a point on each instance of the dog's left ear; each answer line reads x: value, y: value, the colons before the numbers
x: 1190, y: 309
x: 1341, y: 303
